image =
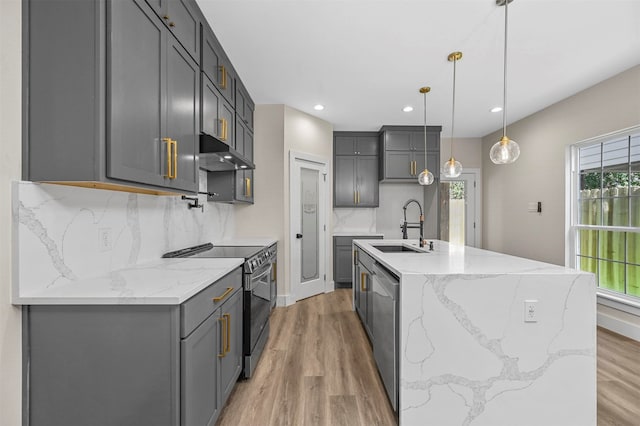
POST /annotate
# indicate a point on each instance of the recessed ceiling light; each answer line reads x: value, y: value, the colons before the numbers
x: 318, y: 107
x: 407, y: 108
x: 243, y: 167
x: 496, y: 109
x: 228, y: 157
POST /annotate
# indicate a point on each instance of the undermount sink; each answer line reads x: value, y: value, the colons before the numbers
x: 397, y: 249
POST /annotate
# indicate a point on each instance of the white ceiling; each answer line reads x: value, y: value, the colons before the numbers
x: 365, y: 60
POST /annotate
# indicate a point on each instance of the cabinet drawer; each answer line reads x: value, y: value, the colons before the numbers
x: 195, y: 310
x: 347, y: 240
x: 365, y: 260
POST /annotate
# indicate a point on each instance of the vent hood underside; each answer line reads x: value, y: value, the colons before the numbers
x: 217, y: 156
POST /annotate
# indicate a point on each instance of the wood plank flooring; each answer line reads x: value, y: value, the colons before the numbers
x: 318, y: 369
x: 618, y: 380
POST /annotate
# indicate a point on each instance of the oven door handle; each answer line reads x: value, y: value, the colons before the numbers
x: 257, y: 277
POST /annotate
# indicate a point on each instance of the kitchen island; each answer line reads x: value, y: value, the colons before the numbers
x: 469, y: 353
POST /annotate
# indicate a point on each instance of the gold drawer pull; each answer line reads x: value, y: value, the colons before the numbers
x: 223, y: 295
x: 362, y: 278
x: 247, y: 192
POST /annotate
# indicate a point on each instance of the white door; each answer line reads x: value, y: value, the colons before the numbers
x: 459, y: 212
x: 308, y: 201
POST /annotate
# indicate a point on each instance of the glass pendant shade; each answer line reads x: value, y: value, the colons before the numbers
x: 505, y: 151
x: 452, y: 168
x: 425, y: 178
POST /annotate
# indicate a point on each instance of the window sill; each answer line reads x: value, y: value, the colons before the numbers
x: 618, y: 302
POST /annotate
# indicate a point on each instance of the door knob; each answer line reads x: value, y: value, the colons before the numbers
x: 298, y: 236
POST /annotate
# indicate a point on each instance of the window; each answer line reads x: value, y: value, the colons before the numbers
x: 605, y: 212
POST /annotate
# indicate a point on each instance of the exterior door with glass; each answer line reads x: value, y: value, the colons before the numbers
x: 459, y: 219
x: 308, y: 203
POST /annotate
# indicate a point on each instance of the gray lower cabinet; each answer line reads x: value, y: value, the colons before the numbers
x: 118, y: 116
x: 343, y: 259
x: 132, y: 365
x: 355, y: 169
x: 363, y: 290
x: 403, y: 152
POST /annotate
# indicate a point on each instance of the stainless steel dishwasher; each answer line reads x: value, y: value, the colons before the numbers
x: 385, y: 329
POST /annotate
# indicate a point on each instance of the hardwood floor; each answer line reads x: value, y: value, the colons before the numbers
x: 618, y: 380
x: 318, y: 369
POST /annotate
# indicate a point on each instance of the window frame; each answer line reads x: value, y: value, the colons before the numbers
x: 622, y: 301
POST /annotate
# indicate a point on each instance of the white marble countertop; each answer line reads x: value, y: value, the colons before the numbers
x: 162, y: 282
x: 452, y: 259
x: 357, y: 234
x: 260, y: 241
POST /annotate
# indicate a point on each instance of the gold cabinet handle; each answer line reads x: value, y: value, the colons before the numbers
x: 165, y: 17
x: 223, y: 129
x: 174, y: 173
x: 358, y: 192
x: 228, y: 321
x: 362, y: 278
x: 223, y: 72
x: 223, y: 295
x: 247, y: 186
x: 226, y: 129
x: 355, y: 198
x: 168, y: 142
x: 355, y: 257
x: 410, y: 168
x: 224, y: 337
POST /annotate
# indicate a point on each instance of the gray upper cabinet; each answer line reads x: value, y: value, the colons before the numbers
x: 231, y: 187
x: 403, y: 152
x: 356, y: 169
x: 216, y: 65
x: 244, y: 105
x: 182, y: 19
x: 117, y: 117
x: 218, y: 116
x: 347, y: 143
x: 244, y: 138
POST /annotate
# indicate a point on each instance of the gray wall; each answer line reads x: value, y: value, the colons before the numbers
x: 280, y: 129
x: 539, y: 173
x: 10, y: 169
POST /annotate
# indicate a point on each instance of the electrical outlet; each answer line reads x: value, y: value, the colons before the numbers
x: 105, y: 240
x: 530, y: 311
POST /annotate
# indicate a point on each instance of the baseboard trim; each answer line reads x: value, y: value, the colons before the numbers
x: 284, y: 300
x: 618, y: 325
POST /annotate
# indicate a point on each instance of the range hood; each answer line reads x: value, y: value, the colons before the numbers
x: 217, y: 156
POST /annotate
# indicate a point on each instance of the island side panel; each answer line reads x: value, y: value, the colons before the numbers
x: 468, y: 357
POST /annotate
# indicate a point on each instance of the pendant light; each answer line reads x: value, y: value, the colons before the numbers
x: 505, y: 151
x: 452, y: 168
x: 426, y: 177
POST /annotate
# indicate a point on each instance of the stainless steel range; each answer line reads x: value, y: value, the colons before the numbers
x: 259, y: 292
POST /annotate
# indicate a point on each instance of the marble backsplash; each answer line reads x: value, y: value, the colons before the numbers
x: 59, y: 231
x: 354, y: 220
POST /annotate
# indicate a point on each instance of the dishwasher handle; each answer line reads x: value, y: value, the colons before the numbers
x: 387, y: 279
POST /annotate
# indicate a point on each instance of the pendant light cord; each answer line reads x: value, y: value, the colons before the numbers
x: 453, y: 107
x: 504, y: 98
x: 425, y: 131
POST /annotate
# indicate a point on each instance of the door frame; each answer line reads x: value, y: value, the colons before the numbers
x: 477, y: 177
x: 324, y: 215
